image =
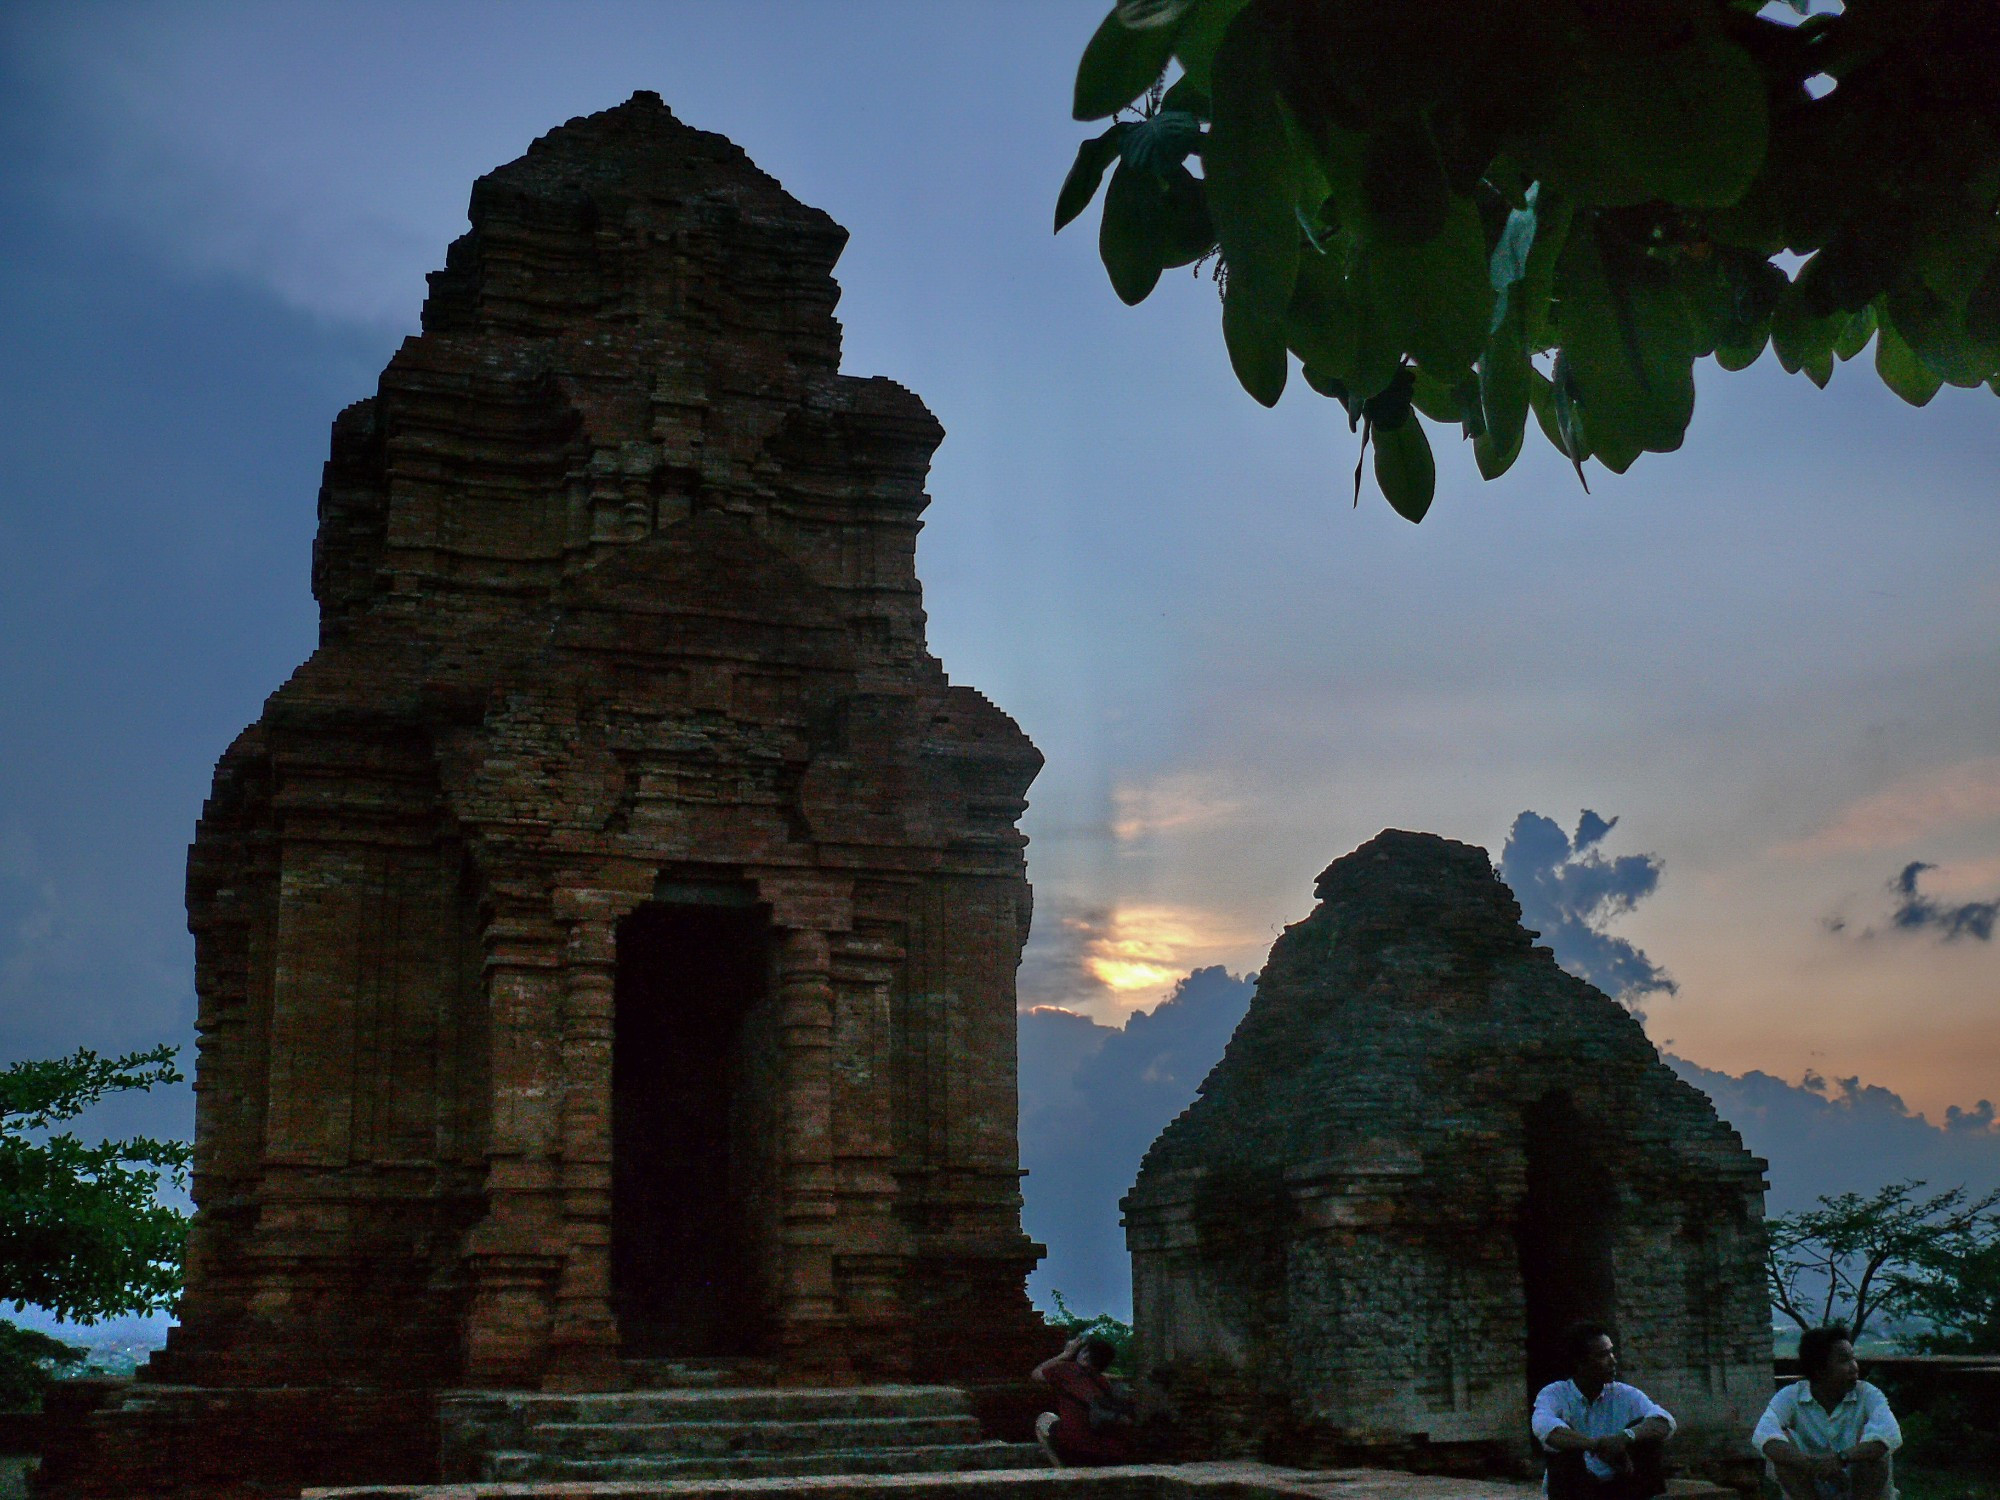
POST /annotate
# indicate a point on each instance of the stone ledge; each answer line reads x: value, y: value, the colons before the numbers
x: 1198, y: 1481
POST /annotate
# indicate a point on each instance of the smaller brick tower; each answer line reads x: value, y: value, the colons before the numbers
x: 1425, y: 1153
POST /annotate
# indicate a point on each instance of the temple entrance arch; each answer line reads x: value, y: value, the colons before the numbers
x: 1565, y: 1232
x: 694, y: 1124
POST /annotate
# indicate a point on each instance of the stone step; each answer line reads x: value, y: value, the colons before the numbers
x: 685, y: 1438
x: 953, y: 1458
x: 765, y: 1404
x: 1698, y: 1489
x: 680, y: 1374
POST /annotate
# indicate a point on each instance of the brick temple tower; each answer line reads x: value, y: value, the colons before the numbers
x: 606, y: 940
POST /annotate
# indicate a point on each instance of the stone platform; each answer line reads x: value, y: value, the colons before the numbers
x: 1201, y: 1481
x: 1204, y: 1481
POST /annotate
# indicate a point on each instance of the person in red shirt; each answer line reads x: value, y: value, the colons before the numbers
x: 1091, y: 1425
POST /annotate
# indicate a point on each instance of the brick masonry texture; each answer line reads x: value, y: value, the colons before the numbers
x: 619, y: 616
x: 1426, y: 1151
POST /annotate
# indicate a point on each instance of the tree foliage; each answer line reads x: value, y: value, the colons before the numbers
x: 83, y: 1232
x: 1893, y: 1256
x: 1103, y: 1326
x: 1503, y: 207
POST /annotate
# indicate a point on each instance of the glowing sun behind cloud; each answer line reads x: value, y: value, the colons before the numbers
x: 1145, y: 949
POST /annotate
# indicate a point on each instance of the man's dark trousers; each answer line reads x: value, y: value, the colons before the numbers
x: 1569, y: 1479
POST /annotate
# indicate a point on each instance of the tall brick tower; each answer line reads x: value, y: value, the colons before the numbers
x: 606, y: 939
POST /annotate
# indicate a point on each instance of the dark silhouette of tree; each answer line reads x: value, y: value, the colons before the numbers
x: 1894, y: 1255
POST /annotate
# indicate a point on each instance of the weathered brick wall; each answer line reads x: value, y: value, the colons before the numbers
x: 122, y: 1441
x: 1345, y: 1246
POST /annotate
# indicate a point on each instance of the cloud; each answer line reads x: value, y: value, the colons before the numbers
x: 1083, y: 955
x: 1916, y: 912
x: 1951, y: 797
x: 31, y: 933
x: 1568, y: 891
x: 1920, y: 911
x: 1169, y: 804
x: 1093, y: 1098
x: 1824, y: 1137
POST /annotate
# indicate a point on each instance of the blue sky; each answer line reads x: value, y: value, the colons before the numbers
x: 1773, y: 655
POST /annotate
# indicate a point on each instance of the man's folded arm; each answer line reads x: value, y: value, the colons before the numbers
x: 1878, y: 1423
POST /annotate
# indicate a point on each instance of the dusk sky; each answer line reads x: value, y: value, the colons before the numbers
x: 1774, y: 656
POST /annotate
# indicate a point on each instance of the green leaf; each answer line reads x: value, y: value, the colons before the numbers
x: 1160, y: 142
x: 1250, y: 175
x: 1503, y: 396
x: 1542, y: 402
x: 1129, y: 235
x: 1742, y: 355
x: 1405, y: 469
x: 1509, y: 261
x: 1982, y: 307
x: 1322, y: 325
x: 1390, y: 407
x: 1436, y: 297
x: 1628, y: 344
x: 1897, y: 363
x: 1936, y: 331
x: 1201, y: 32
x: 1119, y: 64
x: 1855, y: 336
x: 1755, y: 287
x: 1553, y: 217
x: 1801, y: 337
x: 1402, y: 179
x: 1181, y: 94
x: 1615, y: 456
x: 1378, y: 352
x: 1141, y: 14
x: 1686, y: 124
x: 1256, y: 344
x: 1436, y: 398
x: 1569, y: 416
x: 1188, y: 234
x: 1092, y: 157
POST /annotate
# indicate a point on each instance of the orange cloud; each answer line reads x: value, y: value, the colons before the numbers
x: 1959, y: 796
x: 1168, y: 804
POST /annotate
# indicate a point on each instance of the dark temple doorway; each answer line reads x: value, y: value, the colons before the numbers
x: 1565, y: 1233
x: 693, y: 1075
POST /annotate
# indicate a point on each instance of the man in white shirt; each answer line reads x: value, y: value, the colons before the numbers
x: 1829, y: 1436
x: 1605, y: 1440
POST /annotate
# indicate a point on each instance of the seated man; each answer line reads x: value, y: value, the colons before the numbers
x: 1829, y: 1436
x: 1605, y: 1440
x: 1092, y: 1423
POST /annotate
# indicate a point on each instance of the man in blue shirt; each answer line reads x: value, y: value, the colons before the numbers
x: 1605, y: 1440
x: 1829, y: 1436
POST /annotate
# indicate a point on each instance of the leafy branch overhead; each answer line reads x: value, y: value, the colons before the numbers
x: 1501, y: 208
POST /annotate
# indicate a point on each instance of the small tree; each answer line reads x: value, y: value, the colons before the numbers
x: 83, y: 1232
x: 1893, y: 1255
